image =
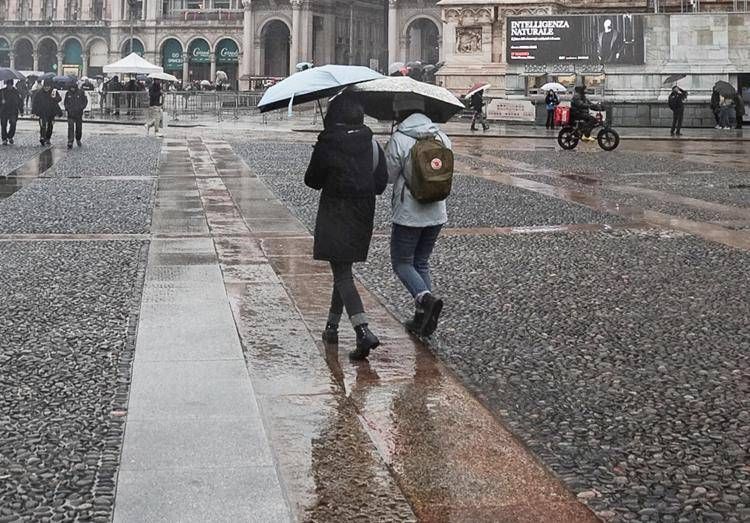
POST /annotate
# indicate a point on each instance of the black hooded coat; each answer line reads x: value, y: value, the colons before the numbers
x: 342, y: 168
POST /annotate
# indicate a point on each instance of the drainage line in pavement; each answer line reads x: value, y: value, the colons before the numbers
x: 19, y: 177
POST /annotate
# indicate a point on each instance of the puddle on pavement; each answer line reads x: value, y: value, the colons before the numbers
x: 22, y: 176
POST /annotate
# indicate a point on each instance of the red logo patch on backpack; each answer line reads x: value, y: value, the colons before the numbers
x: 436, y: 164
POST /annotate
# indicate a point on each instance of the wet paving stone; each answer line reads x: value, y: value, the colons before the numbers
x: 110, y: 155
x: 67, y: 325
x: 620, y: 358
x: 77, y: 206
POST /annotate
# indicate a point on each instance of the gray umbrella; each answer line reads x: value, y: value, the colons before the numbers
x: 725, y: 89
x: 7, y: 73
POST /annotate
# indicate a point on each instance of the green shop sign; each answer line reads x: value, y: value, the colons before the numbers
x: 199, y: 53
x: 227, y: 52
x: 4, y: 46
x: 172, y: 56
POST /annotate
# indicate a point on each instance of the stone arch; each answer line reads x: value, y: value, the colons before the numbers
x: 72, y: 49
x: 171, y: 52
x: 47, y: 49
x: 137, y: 46
x: 199, y: 58
x: 160, y: 43
x: 23, y: 48
x: 275, y: 18
x: 199, y: 37
x: 275, y: 38
x: 422, y: 35
x: 97, y: 55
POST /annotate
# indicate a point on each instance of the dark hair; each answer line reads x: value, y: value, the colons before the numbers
x: 344, y: 110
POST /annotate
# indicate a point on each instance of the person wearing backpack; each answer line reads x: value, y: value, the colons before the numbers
x: 349, y: 168
x: 420, y: 167
x: 677, y: 105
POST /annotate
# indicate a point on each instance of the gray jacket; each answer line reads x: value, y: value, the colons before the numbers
x: 405, y: 210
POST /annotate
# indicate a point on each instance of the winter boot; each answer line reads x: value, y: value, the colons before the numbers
x: 366, y: 341
x: 432, y: 308
x: 414, y: 325
x: 331, y: 334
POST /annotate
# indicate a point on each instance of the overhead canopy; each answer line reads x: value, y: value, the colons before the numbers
x: 132, y: 64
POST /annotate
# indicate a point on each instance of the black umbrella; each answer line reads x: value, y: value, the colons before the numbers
x: 674, y: 78
x: 7, y: 73
x: 725, y: 89
x: 64, y: 81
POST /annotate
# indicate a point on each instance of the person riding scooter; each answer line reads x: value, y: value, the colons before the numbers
x: 579, y: 110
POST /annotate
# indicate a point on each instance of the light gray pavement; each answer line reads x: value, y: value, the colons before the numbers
x: 195, y: 445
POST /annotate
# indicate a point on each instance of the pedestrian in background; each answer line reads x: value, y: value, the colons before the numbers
x: 477, y: 104
x: 155, y: 101
x: 551, y: 101
x: 46, y: 105
x: 416, y: 225
x: 739, y: 110
x: 349, y: 169
x: 11, y: 106
x: 677, y: 105
x: 716, y: 107
x: 726, y: 108
x: 75, y: 103
x: 112, y: 90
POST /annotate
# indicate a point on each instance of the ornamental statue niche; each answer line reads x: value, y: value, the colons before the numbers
x: 468, y: 40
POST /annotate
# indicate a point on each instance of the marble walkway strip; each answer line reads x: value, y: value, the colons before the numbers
x: 195, y: 446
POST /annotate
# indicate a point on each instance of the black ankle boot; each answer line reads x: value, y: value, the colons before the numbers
x: 366, y: 341
x: 414, y: 325
x: 432, y: 308
x: 331, y: 334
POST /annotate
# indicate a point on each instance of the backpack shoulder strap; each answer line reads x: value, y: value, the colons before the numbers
x: 375, y: 155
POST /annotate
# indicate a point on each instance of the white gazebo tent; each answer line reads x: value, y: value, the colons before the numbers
x: 132, y: 64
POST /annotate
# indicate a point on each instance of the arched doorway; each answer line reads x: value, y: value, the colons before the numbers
x: 423, y: 41
x: 72, y: 60
x: 228, y: 59
x: 47, y: 52
x: 137, y: 48
x: 199, y: 60
x: 275, y: 37
x: 98, y: 57
x: 24, y: 55
x: 171, y: 57
x: 4, y: 53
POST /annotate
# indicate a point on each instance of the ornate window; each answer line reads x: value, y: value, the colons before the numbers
x: 48, y: 9
x: 72, y: 10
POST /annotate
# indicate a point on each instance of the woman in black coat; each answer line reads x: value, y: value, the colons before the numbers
x: 349, y: 169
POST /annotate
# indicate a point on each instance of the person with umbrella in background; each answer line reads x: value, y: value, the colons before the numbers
x: 349, y: 169
x: 416, y: 224
x: 477, y: 105
x: 726, y: 108
x: 75, y: 103
x: 155, y: 101
x: 716, y: 106
x: 11, y: 106
x: 551, y: 101
x: 46, y: 105
x: 676, y: 103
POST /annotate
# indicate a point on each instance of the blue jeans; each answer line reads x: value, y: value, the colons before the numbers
x: 411, y: 248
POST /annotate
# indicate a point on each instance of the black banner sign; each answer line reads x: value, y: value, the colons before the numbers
x: 589, y: 39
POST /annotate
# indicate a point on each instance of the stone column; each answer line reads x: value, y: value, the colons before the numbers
x: 35, y: 55
x: 84, y: 64
x: 213, y: 67
x: 116, y: 10
x: 12, y: 59
x: 36, y: 10
x: 258, y: 68
x: 59, y: 62
x: 306, y: 34
x: 392, y: 33
x: 185, y: 68
x: 12, y: 9
x: 84, y: 12
x: 152, y: 9
x: 248, y: 28
x: 294, y: 47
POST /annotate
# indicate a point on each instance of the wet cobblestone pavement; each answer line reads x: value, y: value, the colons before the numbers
x: 619, y: 357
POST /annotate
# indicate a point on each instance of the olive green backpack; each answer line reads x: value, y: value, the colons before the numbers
x: 432, y: 170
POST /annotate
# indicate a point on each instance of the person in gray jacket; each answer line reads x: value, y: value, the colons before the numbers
x: 416, y: 226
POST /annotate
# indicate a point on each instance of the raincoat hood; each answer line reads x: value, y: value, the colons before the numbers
x: 417, y: 126
x: 350, y: 139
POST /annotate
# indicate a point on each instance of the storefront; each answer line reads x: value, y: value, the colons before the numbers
x: 199, y: 59
x: 137, y: 48
x: 171, y: 57
x: 228, y: 60
x: 72, y: 61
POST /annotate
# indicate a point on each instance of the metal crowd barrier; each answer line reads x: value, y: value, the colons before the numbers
x: 191, y: 106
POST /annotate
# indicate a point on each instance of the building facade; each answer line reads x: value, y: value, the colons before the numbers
x: 192, y: 39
